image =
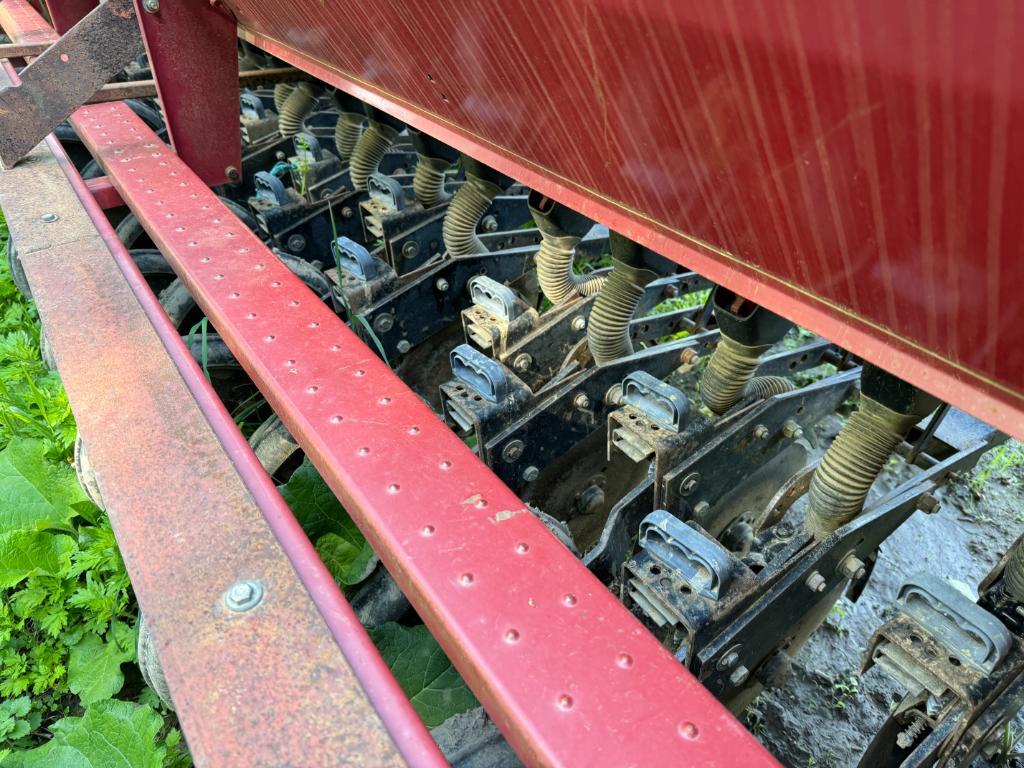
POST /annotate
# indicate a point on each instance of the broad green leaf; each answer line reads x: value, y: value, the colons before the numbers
x: 339, y: 542
x: 111, y: 734
x: 427, y: 677
x: 35, y: 492
x: 347, y: 563
x: 94, y: 670
x: 24, y: 553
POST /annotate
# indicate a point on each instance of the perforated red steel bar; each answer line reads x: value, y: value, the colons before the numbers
x: 568, y: 674
x: 312, y: 700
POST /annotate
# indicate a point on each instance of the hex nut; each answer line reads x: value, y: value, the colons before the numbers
x: 689, y: 356
x: 579, y: 323
x: 410, y: 249
x: 489, y: 224
x: 739, y: 676
x: 441, y: 284
x: 513, y: 451
x: 728, y: 660
x: 244, y: 595
x: 581, y: 401
x: 403, y: 346
x: 384, y: 323
x: 853, y: 567
x: 701, y: 508
x: 761, y: 432
x: 296, y: 243
x: 531, y: 473
x: 792, y: 430
x: 689, y: 483
x: 522, y: 362
x: 816, y: 582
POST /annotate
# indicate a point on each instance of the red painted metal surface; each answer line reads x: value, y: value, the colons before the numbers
x: 66, y: 13
x: 193, y: 45
x: 304, y: 720
x: 848, y: 165
x: 103, y: 191
x: 566, y: 671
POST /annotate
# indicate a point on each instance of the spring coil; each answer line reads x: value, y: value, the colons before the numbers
x: 369, y: 151
x: 428, y: 180
x: 763, y: 387
x: 296, y: 108
x: 555, y: 272
x: 850, y: 465
x: 468, y: 206
x: 608, y: 329
x: 729, y: 371
x: 281, y: 92
x: 1013, y: 573
x: 346, y: 133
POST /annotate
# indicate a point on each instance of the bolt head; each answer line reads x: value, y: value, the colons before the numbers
x: 701, y: 508
x: 151, y: 6
x: 579, y: 323
x: 689, y: 483
x: 581, y: 401
x: 739, y: 675
x: 404, y: 346
x: 232, y: 173
x: 531, y: 473
x: 689, y: 356
x: 244, y: 595
x: 852, y: 567
x: 792, y: 430
x: 347, y: 212
x: 512, y: 451
x: 761, y: 432
x: 728, y: 661
x: 410, y: 249
x: 296, y: 243
x: 489, y: 224
x: 441, y: 284
x: 816, y: 582
x: 49, y: 218
x: 522, y: 362
x: 384, y: 323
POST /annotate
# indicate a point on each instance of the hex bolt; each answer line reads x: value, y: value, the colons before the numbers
x: 739, y: 676
x: 403, y: 346
x: 244, y: 595
x: 513, y: 451
x: 793, y: 430
x: 689, y: 356
x: 928, y: 504
x: 689, y: 483
x: 522, y: 362
x: 614, y: 395
x: 816, y: 582
x: 579, y: 323
x: 489, y: 224
x: 49, y: 218
x: 410, y: 249
x: 231, y: 172
x: 296, y: 243
x: 441, y: 284
x: 728, y: 661
x: 347, y: 212
x: 581, y: 401
x: 852, y: 567
x: 531, y: 473
x: 151, y: 6
x: 279, y: 155
x: 761, y: 432
x: 384, y: 323
x: 701, y: 508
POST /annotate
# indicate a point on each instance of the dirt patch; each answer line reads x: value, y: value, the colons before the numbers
x: 825, y: 715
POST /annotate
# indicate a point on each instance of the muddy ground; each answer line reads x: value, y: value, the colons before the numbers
x: 826, y: 715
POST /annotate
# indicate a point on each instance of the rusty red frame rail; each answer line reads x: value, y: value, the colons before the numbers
x: 566, y: 671
x: 311, y: 654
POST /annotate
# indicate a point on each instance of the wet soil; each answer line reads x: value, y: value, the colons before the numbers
x: 826, y: 715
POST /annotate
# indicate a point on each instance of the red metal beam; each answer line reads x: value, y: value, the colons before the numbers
x: 844, y: 164
x: 568, y: 674
x: 311, y: 683
x: 103, y: 191
x: 192, y: 48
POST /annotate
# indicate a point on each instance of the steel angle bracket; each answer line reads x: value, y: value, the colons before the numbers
x: 65, y: 76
